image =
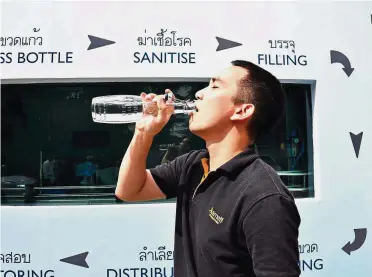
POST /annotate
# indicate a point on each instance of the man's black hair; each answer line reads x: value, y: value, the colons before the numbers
x: 262, y: 89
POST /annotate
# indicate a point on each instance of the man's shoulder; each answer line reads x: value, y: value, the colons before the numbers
x: 260, y: 180
x: 262, y: 187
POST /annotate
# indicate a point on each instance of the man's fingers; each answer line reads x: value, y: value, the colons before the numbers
x: 143, y: 96
x: 164, y: 109
x: 150, y: 96
x: 165, y: 113
x: 160, y: 102
x: 170, y: 96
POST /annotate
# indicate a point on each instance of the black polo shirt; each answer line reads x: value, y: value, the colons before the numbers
x: 239, y: 220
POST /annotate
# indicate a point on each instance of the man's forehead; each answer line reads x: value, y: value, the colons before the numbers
x: 229, y: 75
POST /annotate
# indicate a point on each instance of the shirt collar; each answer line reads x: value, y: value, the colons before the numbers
x: 237, y: 163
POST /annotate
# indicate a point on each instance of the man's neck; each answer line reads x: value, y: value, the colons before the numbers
x: 222, y: 151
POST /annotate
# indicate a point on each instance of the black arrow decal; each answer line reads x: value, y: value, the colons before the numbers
x: 96, y: 42
x: 226, y: 44
x: 78, y: 260
x: 360, y: 238
x: 338, y: 57
x: 357, y: 141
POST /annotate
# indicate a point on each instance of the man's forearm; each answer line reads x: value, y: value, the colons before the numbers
x: 132, y: 173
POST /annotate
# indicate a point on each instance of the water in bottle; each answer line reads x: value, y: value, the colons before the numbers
x: 122, y: 109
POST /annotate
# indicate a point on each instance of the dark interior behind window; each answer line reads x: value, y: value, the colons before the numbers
x: 53, y: 153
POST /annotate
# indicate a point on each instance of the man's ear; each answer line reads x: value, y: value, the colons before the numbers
x: 243, y: 112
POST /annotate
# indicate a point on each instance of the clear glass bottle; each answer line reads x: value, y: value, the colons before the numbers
x: 122, y: 109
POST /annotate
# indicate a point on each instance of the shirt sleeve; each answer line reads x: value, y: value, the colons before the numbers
x: 271, y: 234
x: 167, y: 175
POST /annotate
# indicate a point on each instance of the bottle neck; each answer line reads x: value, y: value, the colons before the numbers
x: 184, y: 107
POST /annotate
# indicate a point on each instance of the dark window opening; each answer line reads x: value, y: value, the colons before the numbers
x: 53, y: 153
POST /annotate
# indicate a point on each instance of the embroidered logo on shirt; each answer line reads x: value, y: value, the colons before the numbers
x: 215, y: 217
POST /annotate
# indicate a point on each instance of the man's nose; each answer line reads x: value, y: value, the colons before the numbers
x: 198, y: 95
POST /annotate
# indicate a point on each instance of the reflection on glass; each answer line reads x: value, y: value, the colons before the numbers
x: 54, y: 154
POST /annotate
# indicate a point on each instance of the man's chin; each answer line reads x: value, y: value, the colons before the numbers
x: 192, y: 126
x: 194, y: 129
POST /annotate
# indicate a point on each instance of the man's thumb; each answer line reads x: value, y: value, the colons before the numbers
x: 165, y: 113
